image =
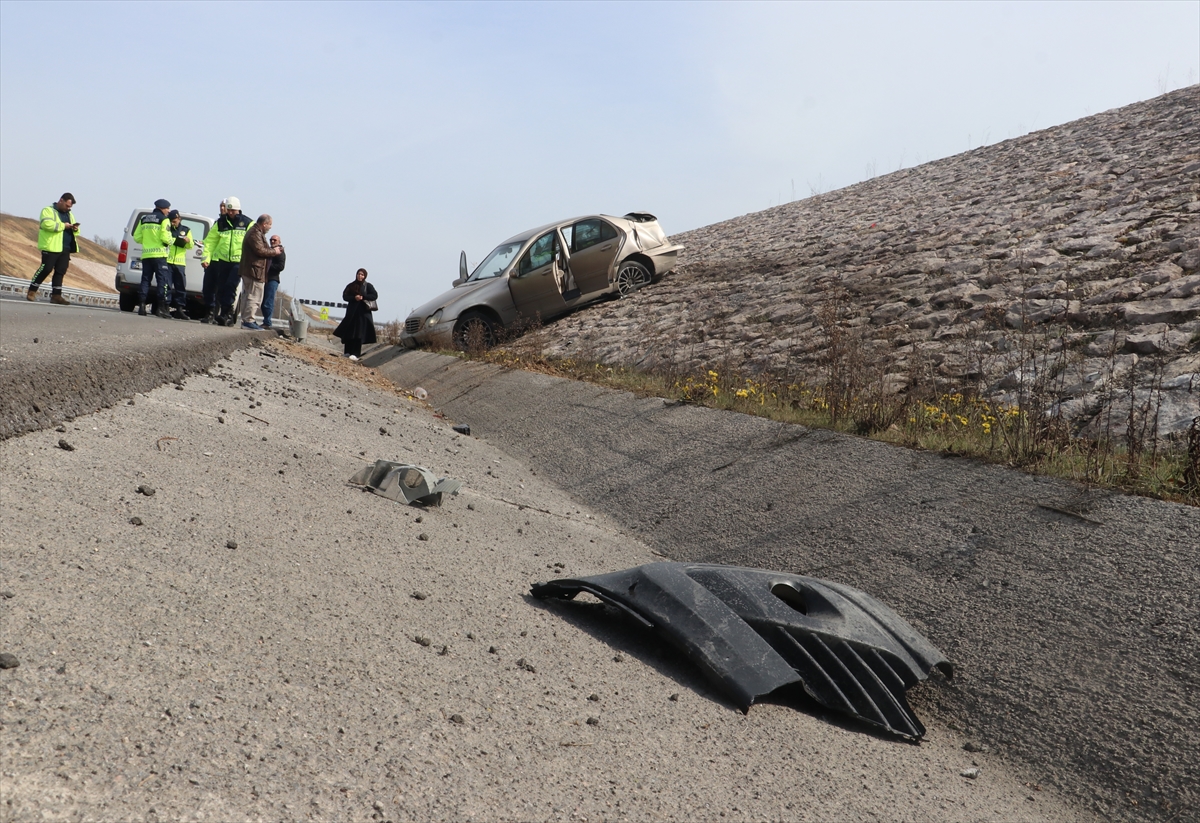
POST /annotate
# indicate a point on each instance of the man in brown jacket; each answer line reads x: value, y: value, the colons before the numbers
x: 256, y: 258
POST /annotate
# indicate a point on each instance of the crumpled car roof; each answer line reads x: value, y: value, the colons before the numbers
x: 754, y: 631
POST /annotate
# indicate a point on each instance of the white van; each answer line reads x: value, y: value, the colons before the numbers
x: 129, y: 264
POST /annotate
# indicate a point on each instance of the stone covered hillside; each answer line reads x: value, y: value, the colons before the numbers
x: 1065, y: 262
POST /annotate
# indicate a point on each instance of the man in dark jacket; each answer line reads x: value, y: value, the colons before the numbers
x: 255, y: 259
x: 272, y: 284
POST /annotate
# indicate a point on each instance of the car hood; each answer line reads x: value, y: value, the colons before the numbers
x: 453, y: 298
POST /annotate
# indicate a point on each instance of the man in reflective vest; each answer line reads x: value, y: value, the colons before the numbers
x: 154, y: 233
x: 56, y: 240
x: 223, y: 252
x: 181, y: 246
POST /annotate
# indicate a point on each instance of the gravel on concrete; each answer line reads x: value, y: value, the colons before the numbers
x: 1068, y: 613
x: 165, y: 675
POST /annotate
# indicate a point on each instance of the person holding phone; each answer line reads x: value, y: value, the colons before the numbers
x: 56, y: 241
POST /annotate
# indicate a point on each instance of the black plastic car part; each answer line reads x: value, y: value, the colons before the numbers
x: 754, y: 631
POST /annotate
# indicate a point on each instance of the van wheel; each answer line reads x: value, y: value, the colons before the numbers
x: 127, y: 300
x: 474, y: 331
x: 631, y: 276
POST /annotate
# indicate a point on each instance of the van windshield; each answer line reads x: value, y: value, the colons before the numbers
x: 496, y: 262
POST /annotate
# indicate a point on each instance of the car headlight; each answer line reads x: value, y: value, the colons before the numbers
x: 434, y: 319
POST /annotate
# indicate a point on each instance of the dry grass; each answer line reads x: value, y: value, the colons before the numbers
x: 854, y: 392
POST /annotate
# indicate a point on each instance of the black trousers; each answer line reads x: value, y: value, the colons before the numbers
x: 352, y: 347
x: 52, y: 261
x: 178, y: 285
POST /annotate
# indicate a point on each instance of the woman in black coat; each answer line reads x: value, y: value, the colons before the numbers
x: 358, y: 326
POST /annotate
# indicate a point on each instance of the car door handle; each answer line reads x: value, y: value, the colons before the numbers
x: 606, y: 248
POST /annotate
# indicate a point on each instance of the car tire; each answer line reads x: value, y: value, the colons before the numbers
x: 127, y: 300
x: 475, y: 330
x: 631, y: 276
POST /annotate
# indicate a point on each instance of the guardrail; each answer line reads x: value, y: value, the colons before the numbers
x: 20, y: 286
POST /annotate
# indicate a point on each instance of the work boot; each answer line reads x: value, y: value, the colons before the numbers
x: 231, y: 319
x: 60, y: 300
x: 178, y: 314
x: 141, y: 308
x: 31, y: 294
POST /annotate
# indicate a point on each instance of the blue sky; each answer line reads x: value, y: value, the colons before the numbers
x: 392, y: 135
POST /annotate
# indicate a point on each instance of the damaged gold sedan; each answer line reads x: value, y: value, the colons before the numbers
x: 540, y: 274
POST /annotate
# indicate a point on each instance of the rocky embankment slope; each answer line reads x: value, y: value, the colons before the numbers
x: 1060, y: 269
x: 91, y: 269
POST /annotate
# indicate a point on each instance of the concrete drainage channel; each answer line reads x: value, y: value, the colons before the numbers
x: 1063, y: 610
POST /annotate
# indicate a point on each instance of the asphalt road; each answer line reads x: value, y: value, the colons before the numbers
x: 63, y: 361
x: 1069, y: 614
x: 211, y: 624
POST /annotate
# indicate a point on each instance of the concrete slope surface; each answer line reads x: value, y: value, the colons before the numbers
x: 1069, y: 614
x: 1065, y: 262
x: 211, y: 624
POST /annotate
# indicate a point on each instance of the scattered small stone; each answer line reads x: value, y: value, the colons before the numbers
x: 129, y: 403
x: 296, y: 455
x: 471, y: 506
x: 457, y: 718
x: 220, y: 419
x: 60, y: 429
x: 524, y: 633
x: 423, y: 536
x: 420, y: 519
x: 35, y: 340
x: 178, y: 387
x: 593, y: 721
x: 618, y: 658
x: 674, y: 698
x: 231, y: 544
x: 470, y: 635
x: 419, y: 596
x: 264, y: 440
x: 443, y: 651
x: 7, y: 595
x: 137, y: 521
x: 492, y: 650
x: 972, y: 746
x: 526, y: 665
x: 382, y: 430
x: 65, y: 446
x: 9, y: 661
x: 422, y: 641
x: 593, y: 697
x: 377, y: 806
x: 148, y: 491
x: 61, y: 669
x: 224, y: 411
x: 971, y: 773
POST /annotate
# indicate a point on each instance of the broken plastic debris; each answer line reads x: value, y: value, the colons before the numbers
x: 402, y: 481
x: 461, y: 428
x: 754, y: 632
x: 420, y: 393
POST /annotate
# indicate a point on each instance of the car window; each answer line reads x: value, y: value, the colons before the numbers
x: 198, y: 227
x: 496, y: 262
x: 539, y: 254
x: 588, y: 233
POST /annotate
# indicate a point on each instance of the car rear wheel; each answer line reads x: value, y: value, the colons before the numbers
x: 475, y: 331
x: 127, y: 300
x: 631, y: 276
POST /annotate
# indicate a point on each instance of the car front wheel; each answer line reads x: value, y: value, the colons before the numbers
x: 475, y: 331
x: 631, y: 276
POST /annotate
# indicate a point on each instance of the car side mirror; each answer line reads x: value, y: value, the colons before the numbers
x: 462, y: 267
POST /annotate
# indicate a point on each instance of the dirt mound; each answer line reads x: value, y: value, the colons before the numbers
x: 19, y: 256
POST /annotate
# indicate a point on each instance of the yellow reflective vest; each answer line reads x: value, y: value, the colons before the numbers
x: 51, y: 230
x: 181, y: 244
x: 154, y: 233
x: 224, y: 240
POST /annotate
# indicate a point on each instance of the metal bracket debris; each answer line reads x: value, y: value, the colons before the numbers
x: 754, y: 631
x: 405, y: 482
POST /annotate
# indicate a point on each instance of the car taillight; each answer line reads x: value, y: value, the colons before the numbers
x: 123, y: 256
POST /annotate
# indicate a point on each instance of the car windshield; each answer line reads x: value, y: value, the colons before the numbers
x: 496, y: 262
